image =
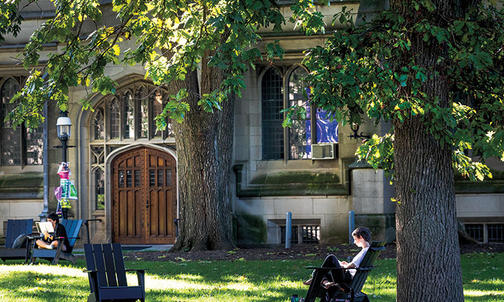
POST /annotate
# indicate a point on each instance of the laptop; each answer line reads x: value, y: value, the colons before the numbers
x: 44, y: 226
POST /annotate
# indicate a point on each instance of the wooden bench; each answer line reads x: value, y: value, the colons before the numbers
x: 352, y: 292
x: 107, y: 275
x: 16, y: 227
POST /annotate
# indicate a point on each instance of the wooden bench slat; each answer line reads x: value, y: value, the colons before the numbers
x: 16, y: 227
x: 109, y: 265
x: 119, y: 264
x: 100, y: 265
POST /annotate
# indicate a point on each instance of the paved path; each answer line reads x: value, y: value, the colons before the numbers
x: 138, y: 248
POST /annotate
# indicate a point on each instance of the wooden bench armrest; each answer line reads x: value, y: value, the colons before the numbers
x: 89, y: 271
x: 135, y: 270
x: 33, y: 236
x: 319, y: 268
x: 62, y: 238
x: 140, y: 276
x: 367, y: 268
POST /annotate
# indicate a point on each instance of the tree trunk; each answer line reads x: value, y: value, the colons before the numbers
x: 428, y: 254
x: 204, y: 148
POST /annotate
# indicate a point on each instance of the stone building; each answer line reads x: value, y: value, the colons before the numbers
x: 118, y: 158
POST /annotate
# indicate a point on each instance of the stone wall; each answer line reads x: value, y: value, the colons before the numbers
x: 371, y: 194
x: 19, y: 209
x: 331, y: 212
x: 488, y: 206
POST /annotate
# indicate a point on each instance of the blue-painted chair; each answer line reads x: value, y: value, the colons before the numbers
x: 72, y: 228
x: 107, y: 275
x: 15, y: 228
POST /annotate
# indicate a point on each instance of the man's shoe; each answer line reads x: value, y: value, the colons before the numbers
x: 327, y: 284
x: 308, y: 282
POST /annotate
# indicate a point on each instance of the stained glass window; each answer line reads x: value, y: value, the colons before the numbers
x: 299, y: 136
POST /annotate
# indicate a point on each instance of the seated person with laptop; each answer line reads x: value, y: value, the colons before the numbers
x: 50, y: 239
x: 338, y: 277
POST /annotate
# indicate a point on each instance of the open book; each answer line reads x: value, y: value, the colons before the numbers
x: 44, y: 226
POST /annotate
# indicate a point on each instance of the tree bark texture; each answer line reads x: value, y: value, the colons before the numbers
x: 428, y: 254
x: 204, y: 143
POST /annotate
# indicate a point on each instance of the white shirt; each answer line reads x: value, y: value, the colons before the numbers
x: 357, y: 260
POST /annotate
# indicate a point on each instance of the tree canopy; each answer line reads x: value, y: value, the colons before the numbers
x: 171, y: 38
x: 356, y: 73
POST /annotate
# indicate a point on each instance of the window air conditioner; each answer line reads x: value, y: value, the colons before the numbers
x: 325, y: 151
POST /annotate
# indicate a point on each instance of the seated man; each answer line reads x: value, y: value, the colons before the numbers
x: 339, y: 277
x: 50, y: 241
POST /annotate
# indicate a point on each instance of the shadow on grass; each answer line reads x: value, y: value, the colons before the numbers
x: 235, y: 280
x: 23, y: 285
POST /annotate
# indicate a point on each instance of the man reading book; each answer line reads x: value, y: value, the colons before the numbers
x: 50, y: 241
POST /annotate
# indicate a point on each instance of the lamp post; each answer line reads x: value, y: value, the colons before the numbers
x: 63, y: 126
x: 355, y: 129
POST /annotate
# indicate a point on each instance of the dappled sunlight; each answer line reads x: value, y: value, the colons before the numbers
x: 494, y: 281
x: 35, y: 283
x: 234, y: 278
x: 157, y: 283
x: 227, y: 281
x: 480, y: 293
x: 189, y: 277
x: 243, y: 286
x: 44, y: 270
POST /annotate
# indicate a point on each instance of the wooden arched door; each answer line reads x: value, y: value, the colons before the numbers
x: 144, y: 197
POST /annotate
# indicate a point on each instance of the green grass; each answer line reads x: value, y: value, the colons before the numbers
x: 483, y: 276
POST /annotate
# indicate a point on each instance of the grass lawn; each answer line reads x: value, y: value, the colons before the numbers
x: 483, y: 276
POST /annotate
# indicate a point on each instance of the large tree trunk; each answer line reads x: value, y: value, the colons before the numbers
x: 204, y: 149
x: 428, y: 255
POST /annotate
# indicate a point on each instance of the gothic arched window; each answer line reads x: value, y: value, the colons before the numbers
x: 128, y: 115
x: 300, y: 131
x: 99, y: 124
x: 122, y: 119
x: 299, y: 137
x: 115, y: 118
x: 272, y: 104
x: 21, y: 145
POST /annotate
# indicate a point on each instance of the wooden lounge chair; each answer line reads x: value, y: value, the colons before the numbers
x: 107, y: 276
x: 352, y: 292
x: 16, y: 227
x: 72, y: 228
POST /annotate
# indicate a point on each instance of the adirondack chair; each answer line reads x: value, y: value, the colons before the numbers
x: 16, y: 227
x: 107, y: 276
x: 72, y: 228
x: 352, y: 292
